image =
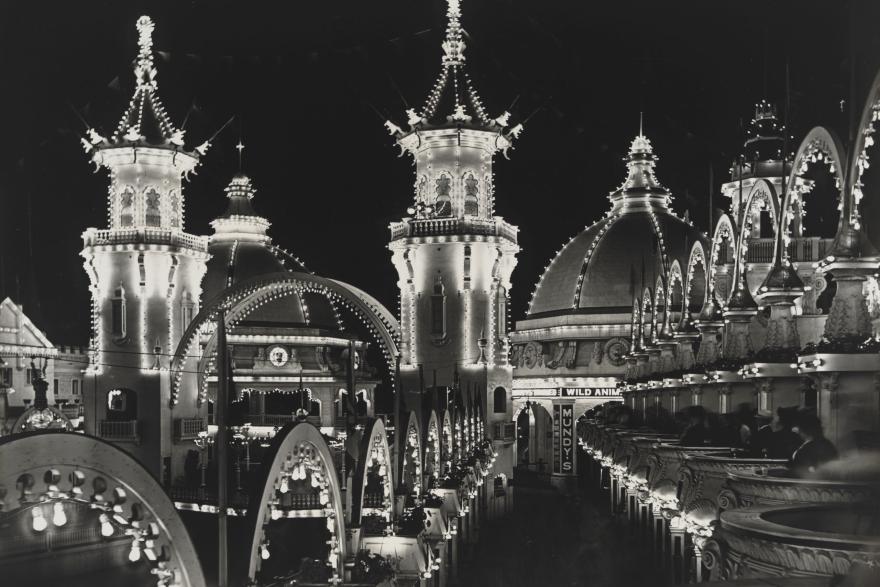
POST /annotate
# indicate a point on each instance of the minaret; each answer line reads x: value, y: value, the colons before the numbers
x: 145, y: 272
x: 761, y: 159
x: 453, y: 255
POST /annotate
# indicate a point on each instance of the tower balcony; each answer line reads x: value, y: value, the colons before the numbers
x: 144, y: 236
x: 468, y: 226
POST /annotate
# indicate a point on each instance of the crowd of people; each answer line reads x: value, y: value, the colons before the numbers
x: 793, y: 434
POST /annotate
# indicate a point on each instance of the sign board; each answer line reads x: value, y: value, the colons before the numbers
x: 585, y: 392
x: 563, y: 439
x: 567, y: 456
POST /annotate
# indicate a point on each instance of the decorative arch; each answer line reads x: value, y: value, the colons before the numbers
x: 33, y: 420
x: 245, y: 297
x: 636, y: 326
x: 761, y: 197
x: 675, y: 287
x: 52, y: 474
x: 433, y: 450
x: 374, y: 462
x: 819, y: 145
x: 411, y: 474
x: 724, y: 229
x: 695, y: 285
x: 297, y: 452
x: 647, y: 308
x: 447, y: 442
x: 659, y: 304
x: 864, y: 141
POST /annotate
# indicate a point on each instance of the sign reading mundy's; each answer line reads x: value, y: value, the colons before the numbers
x: 563, y: 439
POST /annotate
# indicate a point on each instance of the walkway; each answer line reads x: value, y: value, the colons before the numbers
x: 552, y: 541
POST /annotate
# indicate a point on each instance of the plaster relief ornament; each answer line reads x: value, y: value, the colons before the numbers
x: 532, y: 355
x: 616, y: 349
x: 278, y: 356
x: 598, y: 352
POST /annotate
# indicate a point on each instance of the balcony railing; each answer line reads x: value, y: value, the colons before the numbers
x: 125, y: 430
x: 145, y: 235
x: 803, y: 249
x: 278, y: 420
x: 453, y: 226
x: 188, y: 428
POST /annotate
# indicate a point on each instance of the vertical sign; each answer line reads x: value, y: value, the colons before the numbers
x: 566, y: 460
x: 557, y: 445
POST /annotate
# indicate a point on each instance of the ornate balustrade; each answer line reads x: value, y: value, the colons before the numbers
x: 794, y: 541
x: 147, y: 236
x: 750, y: 488
x: 453, y: 226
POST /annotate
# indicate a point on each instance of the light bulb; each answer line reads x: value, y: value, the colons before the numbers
x: 264, y: 552
x: 106, y: 526
x: 39, y: 522
x: 330, y: 525
x: 59, y: 518
x: 276, y: 514
x: 284, y: 486
x: 134, y: 555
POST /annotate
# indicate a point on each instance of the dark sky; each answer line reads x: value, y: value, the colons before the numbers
x: 311, y: 83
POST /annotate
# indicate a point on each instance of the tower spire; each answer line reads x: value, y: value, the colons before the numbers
x: 144, y: 70
x: 453, y: 45
x: 641, y: 123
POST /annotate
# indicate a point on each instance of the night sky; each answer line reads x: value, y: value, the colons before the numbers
x: 310, y: 84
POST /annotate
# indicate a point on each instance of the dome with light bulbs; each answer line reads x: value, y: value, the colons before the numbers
x: 604, y: 267
x: 241, y: 249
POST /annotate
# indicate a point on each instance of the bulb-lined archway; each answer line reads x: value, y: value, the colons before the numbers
x: 245, y: 297
x: 411, y: 465
x: 298, y: 463
x: 373, y: 482
x: 86, y: 492
x: 433, y: 451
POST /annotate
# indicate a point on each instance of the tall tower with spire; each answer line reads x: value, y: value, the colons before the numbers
x: 145, y: 272
x: 453, y: 255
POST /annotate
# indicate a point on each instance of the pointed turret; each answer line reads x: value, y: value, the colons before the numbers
x: 641, y: 187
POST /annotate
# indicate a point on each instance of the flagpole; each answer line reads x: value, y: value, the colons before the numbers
x: 221, y: 445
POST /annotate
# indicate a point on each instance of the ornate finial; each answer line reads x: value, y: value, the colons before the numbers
x: 641, y: 123
x: 453, y: 46
x: 144, y: 70
x: 240, y: 148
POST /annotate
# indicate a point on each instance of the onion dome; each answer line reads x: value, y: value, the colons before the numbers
x: 596, y: 271
x: 453, y: 101
x: 241, y: 249
x: 762, y: 150
x: 144, y: 122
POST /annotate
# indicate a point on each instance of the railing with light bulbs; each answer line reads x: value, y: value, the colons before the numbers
x: 411, y: 227
x: 145, y: 235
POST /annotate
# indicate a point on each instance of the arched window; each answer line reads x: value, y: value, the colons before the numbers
x: 501, y: 312
x: 500, y: 400
x: 438, y: 310
x: 122, y: 405
x: 152, y: 215
x: 187, y: 310
x: 126, y: 207
x: 471, y: 195
x: 443, y: 201
x: 118, y: 323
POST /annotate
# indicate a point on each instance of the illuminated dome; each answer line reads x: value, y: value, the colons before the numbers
x: 241, y: 249
x: 604, y: 267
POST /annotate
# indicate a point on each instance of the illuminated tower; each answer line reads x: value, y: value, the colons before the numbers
x: 453, y: 255
x: 145, y: 272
